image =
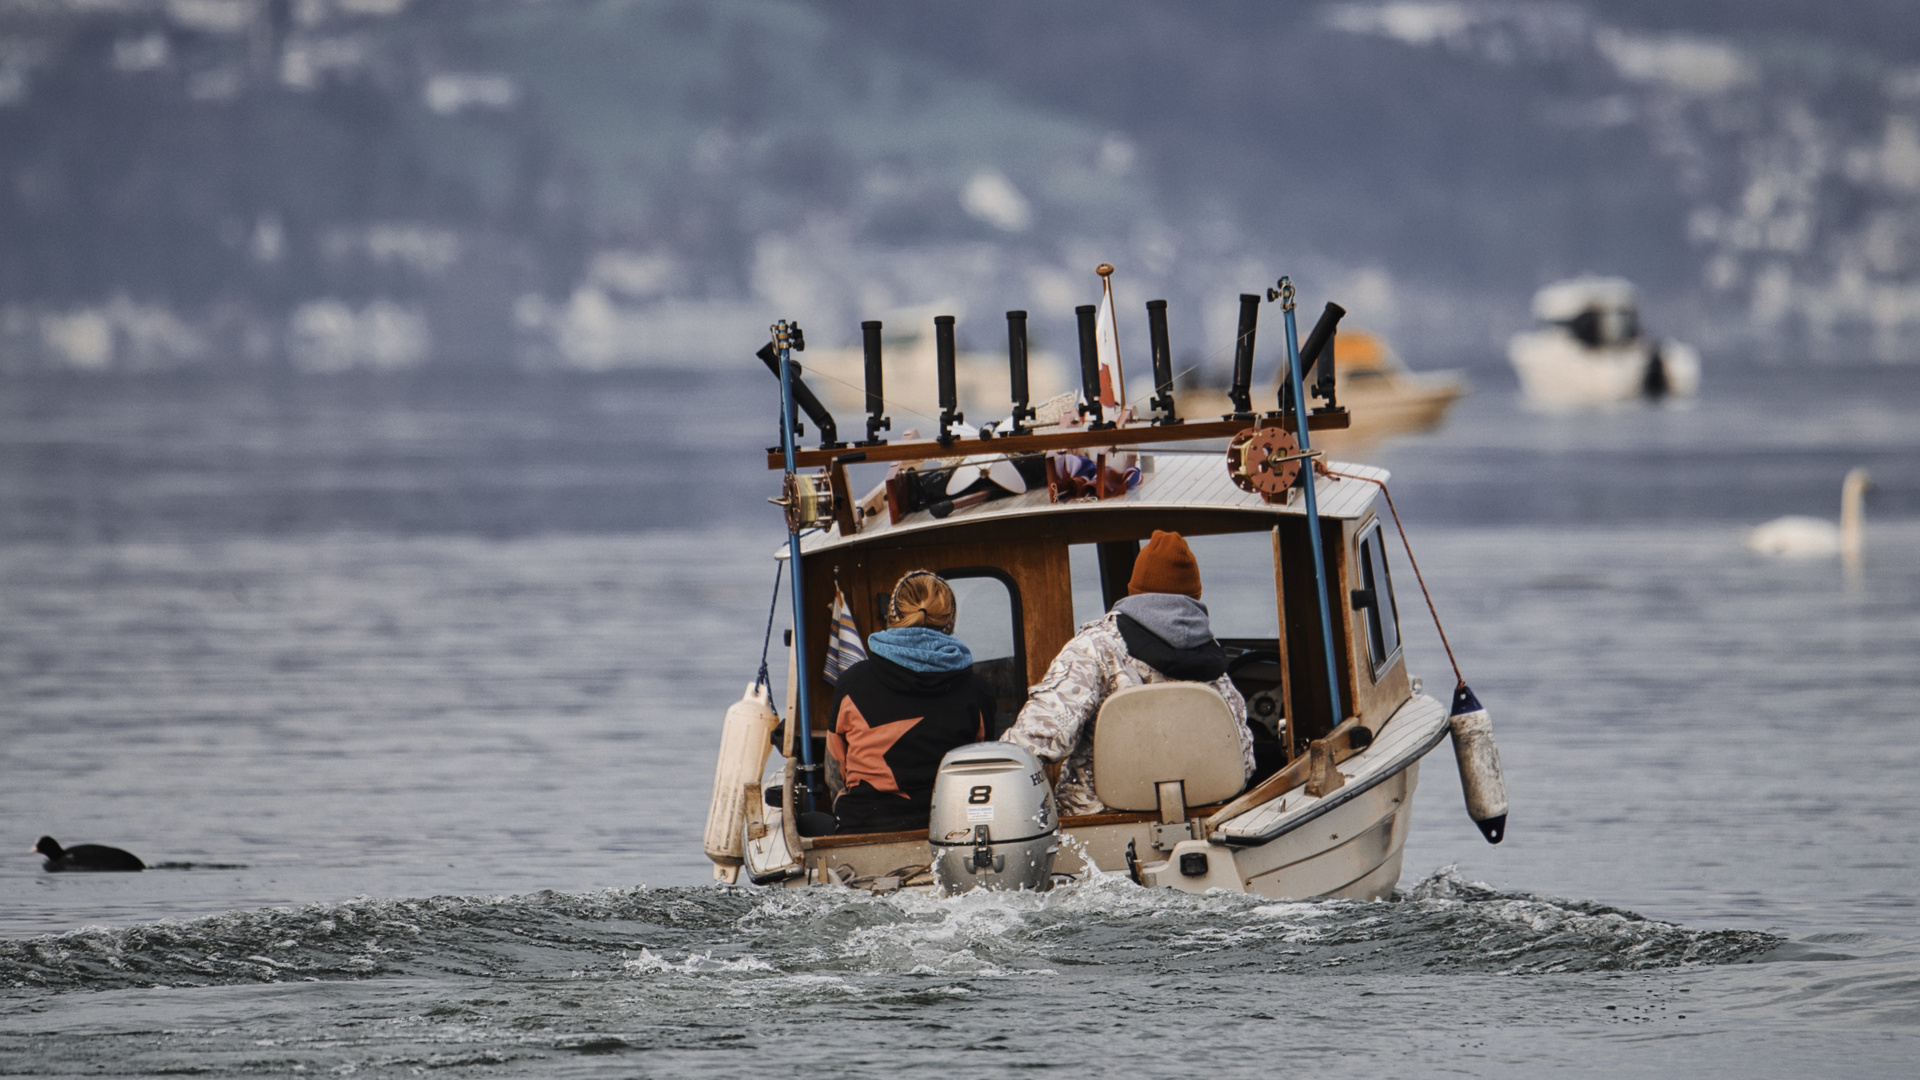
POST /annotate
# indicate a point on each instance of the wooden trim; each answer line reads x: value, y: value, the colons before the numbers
x: 1059, y: 440
x: 843, y: 513
x: 1129, y: 817
x: 862, y: 839
x: 1078, y: 821
x: 1280, y: 646
x: 1286, y: 779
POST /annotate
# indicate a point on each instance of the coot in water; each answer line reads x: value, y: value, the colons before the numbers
x: 85, y: 857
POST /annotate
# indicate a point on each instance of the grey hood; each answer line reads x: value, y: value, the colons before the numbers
x: 1180, y: 621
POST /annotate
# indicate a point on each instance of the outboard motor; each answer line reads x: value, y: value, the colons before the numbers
x: 993, y: 824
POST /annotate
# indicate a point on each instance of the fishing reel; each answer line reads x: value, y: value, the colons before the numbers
x: 1265, y: 461
x: 808, y: 500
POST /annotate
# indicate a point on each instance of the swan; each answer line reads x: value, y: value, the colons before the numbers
x: 1797, y: 537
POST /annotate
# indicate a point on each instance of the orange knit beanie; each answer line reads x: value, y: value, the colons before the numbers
x: 1166, y: 565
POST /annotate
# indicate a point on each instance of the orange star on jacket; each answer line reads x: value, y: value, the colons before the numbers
x: 862, y: 748
x: 892, y: 725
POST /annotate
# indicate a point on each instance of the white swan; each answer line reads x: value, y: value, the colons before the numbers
x: 1797, y: 537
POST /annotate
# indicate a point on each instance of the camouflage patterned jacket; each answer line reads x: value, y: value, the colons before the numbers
x: 1057, y: 721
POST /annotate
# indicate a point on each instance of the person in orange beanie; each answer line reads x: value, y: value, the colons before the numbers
x: 1159, y: 632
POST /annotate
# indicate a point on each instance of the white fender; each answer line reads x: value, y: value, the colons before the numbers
x: 744, y: 745
x: 1479, y: 761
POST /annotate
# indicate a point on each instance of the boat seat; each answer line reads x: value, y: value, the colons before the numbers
x: 1149, y: 736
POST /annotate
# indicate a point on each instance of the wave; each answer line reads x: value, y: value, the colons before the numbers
x: 824, y: 937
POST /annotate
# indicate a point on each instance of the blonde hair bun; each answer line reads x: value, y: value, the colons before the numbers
x: 922, y: 599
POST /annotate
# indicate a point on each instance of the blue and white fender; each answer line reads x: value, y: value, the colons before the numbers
x: 1479, y: 760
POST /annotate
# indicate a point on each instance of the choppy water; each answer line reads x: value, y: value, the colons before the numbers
x: 416, y: 684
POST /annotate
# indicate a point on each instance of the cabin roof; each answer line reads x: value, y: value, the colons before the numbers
x: 1169, y: 481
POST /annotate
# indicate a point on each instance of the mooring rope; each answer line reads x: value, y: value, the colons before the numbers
x: 764, y: 679
x: 1460, y: 680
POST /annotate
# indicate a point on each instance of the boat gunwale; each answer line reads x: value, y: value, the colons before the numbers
x: 1067, y: 824
x: 1353, y: 789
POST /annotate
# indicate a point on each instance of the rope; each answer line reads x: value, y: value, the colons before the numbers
x: 1417, y: 576
x: 763, y: 679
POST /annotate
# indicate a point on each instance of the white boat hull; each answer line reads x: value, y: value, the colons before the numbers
x: 1558, y: 371
x: 1344, y: 844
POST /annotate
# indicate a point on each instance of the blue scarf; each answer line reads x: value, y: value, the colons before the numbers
x: 921, y: 648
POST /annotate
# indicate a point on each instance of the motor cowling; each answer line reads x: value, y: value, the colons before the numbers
x: 993, y: 824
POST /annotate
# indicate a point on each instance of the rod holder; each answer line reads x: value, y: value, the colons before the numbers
x: 803, y: 396
x: 877, y: 421
x: 1090, y: 368
x: 1162, y: 402
x: 1241, y: 393
x: 1321, y: 340
x: 1017, y: 372
x: 949, y: 393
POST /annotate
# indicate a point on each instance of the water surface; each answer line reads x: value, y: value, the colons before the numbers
x: 417, y: 684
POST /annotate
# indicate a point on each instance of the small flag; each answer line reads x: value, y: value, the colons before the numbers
x: 844, y: 648
x: 1106, y: 340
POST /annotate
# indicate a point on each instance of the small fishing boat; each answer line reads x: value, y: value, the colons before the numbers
x: 1590, y: 349
x: 1339, y: 725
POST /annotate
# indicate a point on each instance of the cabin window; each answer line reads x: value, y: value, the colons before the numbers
x: 1100, y: 575
x: 1237, y: 572
x: 1374, y: 600
x: 989, y: 622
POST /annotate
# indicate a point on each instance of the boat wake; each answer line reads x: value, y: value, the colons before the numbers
x: 827, y: 937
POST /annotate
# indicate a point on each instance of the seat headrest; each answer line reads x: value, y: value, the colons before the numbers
x: 1147, y: 735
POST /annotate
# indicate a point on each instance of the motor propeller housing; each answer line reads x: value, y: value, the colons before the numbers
x: 993, y: 824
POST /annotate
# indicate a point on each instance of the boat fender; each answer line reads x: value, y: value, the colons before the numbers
x: 1479, y: 761
x: 745, y: 740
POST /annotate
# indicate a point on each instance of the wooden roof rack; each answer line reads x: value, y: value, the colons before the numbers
x: 1135, y: 435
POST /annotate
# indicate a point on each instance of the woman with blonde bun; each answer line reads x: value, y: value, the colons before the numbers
x: 898, y: 712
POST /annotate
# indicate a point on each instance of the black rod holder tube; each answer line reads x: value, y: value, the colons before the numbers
x: 949, y: 394
x: 1322, y: 333
x: 1017, y: 371
x: 1319, y: 341
x: 1090, y: 368
x: 1242, y: 389
x: 877, y: 420
x: 1162, y: 402
x: 803, y: 396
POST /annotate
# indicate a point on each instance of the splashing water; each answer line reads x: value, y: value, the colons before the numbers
x: 1444, y: 924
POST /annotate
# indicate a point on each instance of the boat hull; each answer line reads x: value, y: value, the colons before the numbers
x: 1346, y: 843
x: 1558, y: 372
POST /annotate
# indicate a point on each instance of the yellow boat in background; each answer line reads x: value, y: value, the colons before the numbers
x: 1385, y: 397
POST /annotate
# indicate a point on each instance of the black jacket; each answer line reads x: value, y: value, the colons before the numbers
x: 892, y: 725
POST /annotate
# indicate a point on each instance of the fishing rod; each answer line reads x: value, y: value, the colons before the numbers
x: 1284, y: 294
x: 787, y: 337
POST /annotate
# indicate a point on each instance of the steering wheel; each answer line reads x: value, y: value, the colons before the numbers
x: 1264, y: 708
x: 1251, y: 657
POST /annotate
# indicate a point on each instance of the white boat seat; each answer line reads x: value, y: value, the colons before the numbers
x: 1161, y: 733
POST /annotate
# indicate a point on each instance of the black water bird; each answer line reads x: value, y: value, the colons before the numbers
x: 85, y: 857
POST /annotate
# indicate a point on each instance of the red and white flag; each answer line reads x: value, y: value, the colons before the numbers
x: 1106, y: 340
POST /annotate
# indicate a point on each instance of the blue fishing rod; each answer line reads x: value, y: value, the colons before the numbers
x: 787, y: 336
x: 1295, y: 382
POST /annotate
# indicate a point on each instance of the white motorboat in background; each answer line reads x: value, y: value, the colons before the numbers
x: 1591, y: 350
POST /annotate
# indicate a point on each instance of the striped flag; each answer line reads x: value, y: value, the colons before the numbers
x: 844, y: 648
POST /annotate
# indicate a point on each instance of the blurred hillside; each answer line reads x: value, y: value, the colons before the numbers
x: 339, y: 184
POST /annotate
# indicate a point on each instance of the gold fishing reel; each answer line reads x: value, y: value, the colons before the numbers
x: 808, y: 500
x: 1265, y: 461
